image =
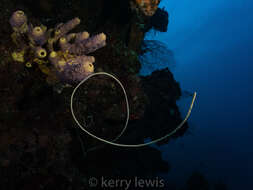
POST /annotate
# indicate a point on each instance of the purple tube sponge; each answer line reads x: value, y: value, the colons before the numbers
x: 88, y: 45
x: 64, y: 44
x: 37, y: 35
x: 81, y: 36
x: 77, y: 69
x: 73, y: 69
x: 40, y: 52
x: 63, y: 29
x: 70, y: 63
x: 18, y: 22
x: 54, y: 58
x: 76, y: 73
x: 70, y: 36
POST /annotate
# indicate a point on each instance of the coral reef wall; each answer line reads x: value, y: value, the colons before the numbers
x: 40, y: 145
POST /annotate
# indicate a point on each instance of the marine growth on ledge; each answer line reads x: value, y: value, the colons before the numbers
x: 61, y: 55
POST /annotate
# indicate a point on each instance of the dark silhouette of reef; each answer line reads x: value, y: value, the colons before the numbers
x: 40, y: 145
x: 159, y: 21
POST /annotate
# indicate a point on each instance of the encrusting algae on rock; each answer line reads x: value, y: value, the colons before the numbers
x: 146, y: 7
x: 60, y: 55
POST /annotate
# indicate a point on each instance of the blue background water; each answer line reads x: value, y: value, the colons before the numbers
x: 212, y: 42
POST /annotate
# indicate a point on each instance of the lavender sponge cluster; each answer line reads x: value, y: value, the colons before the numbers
x: 62, y: 53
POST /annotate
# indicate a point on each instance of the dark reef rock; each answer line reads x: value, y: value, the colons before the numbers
x: 159, y: 21
x: 40, y: 145
x: 161, y: 114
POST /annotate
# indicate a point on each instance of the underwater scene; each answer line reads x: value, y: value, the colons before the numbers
x: 126, y: 94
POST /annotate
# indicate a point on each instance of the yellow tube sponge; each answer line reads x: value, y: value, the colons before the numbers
x: 18, y: 56
x: 40, y: 52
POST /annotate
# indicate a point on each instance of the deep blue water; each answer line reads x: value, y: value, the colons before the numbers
x: 212, y: 42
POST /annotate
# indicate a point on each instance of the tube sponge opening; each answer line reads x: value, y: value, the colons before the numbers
x: 18, y: 18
